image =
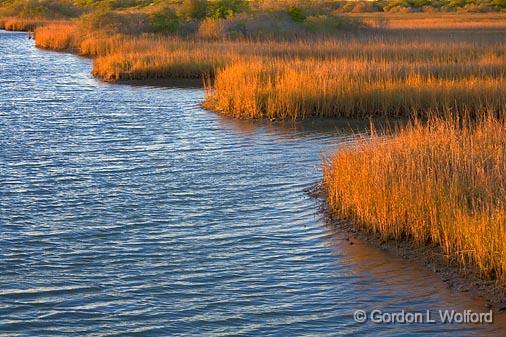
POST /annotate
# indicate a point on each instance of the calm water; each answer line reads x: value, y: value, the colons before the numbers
x: 132, y: 210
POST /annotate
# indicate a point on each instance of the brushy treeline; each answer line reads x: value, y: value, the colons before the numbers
x: 438, y: 184
x: 201, y: 9
x: 230, y: 18
x: 213, y: 18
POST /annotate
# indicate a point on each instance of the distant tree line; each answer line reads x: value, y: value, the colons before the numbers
x: 228, y: 18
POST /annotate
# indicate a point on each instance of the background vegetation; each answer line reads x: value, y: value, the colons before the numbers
x: 231, y: 18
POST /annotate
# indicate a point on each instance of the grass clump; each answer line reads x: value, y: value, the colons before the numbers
x: 438, y: 184
x: 165, y: 64
x: 67, y: 37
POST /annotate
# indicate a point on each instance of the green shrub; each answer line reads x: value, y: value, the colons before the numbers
x: 457, y: 3
x: 165, y: 21
x: 419, y: 3
x: 100, y: 19
x: 222, y: 9
x: 31, y: 9
x: 193, y: 9
x: 328, y: 23
x: 499, y: 3
x: 115, y: 4
x: 296, y: 14
x: 110, y: 21
x: 263, y: 25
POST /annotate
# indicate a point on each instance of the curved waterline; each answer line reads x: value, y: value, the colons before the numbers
x: 132, y: 210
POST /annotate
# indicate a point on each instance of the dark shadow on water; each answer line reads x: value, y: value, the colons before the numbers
x: 190, y: 83
x: 403, y: 284
x: 315, y: 127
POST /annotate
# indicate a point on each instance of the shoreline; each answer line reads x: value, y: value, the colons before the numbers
x: 429, y: 256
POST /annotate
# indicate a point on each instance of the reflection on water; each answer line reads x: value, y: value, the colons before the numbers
x: 311, y: 128
x: 131, y: 209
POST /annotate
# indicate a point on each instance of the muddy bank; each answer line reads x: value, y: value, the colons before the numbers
x: 466, y: 280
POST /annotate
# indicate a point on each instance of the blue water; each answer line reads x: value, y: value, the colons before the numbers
x: 131, y: 210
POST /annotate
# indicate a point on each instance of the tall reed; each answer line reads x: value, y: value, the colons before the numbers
x: 436, y: 21
x: 22, y: 24
x: 360, y: 86
x: 440, y: 184
x: 57, y: 36
x: 155, y: 64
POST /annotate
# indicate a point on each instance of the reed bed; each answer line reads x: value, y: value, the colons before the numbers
x: 21, y: 24
x: 440, y: 184
x: 176, y: 64
x: 120, y: 57
x: 57, y: 36
x: 380, y: 79
x: 435, y: 21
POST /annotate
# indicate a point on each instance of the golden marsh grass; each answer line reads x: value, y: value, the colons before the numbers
x: 436, y: 21
x: 57, y: 36
x: 440, y: 184
x: 21, y: 24
x: 385, y: 74
x: 357, y: 87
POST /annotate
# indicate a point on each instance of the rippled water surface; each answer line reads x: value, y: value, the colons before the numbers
x: 132, y: 210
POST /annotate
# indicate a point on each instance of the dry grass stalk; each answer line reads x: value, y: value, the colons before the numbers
x: 439, y: 184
